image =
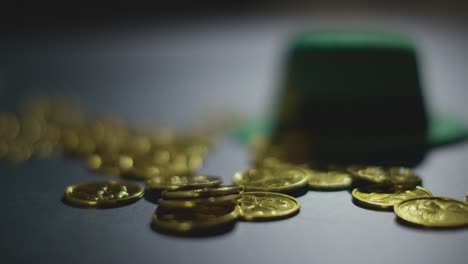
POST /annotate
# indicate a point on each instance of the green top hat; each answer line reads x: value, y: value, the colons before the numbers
x: 354, y: 97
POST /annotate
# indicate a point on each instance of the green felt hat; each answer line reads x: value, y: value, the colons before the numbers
x: 354, y: 97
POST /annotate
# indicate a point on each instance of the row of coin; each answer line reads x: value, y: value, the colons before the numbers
x: 47, y: 126
x: 187, y: 208
x: 381, y: 188
x: 399, y: 189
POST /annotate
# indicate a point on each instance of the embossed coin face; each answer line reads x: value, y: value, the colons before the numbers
x: 182, y: 182
x: 329, y: 180
x: 395, y: 176
x: 104, y: 193
x: 382, y: 198
x: 186, y: 221
x: 205, y: 192
x: 267, y: 206
x: 282, y: 179
x: 193, y: 203
x: 434, y: 212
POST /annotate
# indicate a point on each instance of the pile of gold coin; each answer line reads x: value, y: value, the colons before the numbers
x: 197, y: 204
x: 373, y: 187
x: 48, y: 126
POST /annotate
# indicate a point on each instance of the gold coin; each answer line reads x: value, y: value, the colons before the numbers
x: 267, y: 206
x: 182, y: 182
x: 103, y: 193
x: 329, y: 180
x: 384, y: 198
x: 433, y: 212
x: 205, y: 192
x: 393, y: 176
x: 193, y: 203
x: 187, y: 221
x: 281, y: 179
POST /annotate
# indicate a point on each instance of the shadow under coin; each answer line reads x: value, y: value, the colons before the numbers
x: 298, y: 192
x: 152, y: 196
x: 99, y: 207
x: 206, y: 233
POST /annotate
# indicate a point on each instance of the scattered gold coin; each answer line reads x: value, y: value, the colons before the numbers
x: 182, y: 182
x: 386, y: 198
x: 205, y: 192
x: 104, y: 193
x: 433, y: 212
x: 267, y: 206
x: 392, y: 176
x: 188, y: 221
x: 329, y: 180
x: 280, y: 179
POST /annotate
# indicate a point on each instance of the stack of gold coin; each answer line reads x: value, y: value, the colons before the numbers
x: 215, y: 208
x: 193, y: 204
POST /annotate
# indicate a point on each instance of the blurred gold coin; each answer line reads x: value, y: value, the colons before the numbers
x: 197, y: 202
x: 385, y: 198
x: 104, y: 164
x: 187, y: 221
x: 433, y: 212
x: 182, y: 182
x: 143, y: 171
x: 94, y: 162
x: 392, y: 176
x: 267, y: 206
x: 104, y: 193
x: 205, y: 192
x: 3, y: 148
x: 280, y: 179
x: 329, y: 180
x: 9, y: 126
x: 18, y: 152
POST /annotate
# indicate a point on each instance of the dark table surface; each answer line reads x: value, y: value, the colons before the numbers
x: 172, y: 75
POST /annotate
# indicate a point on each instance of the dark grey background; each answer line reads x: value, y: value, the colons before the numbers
x: 172, y: 73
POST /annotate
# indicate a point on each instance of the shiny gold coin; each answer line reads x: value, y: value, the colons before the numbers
x: 267, y: 206
x: 280, y: 179
x: 194, y: 203
x: 383, y: 198
x: 103, y: 193
x: 433, y: 212
x: 182, y: 182
x: 329, y: 180
x: 205, y: 192
x: 392, y: 176
x: 187, y: 221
